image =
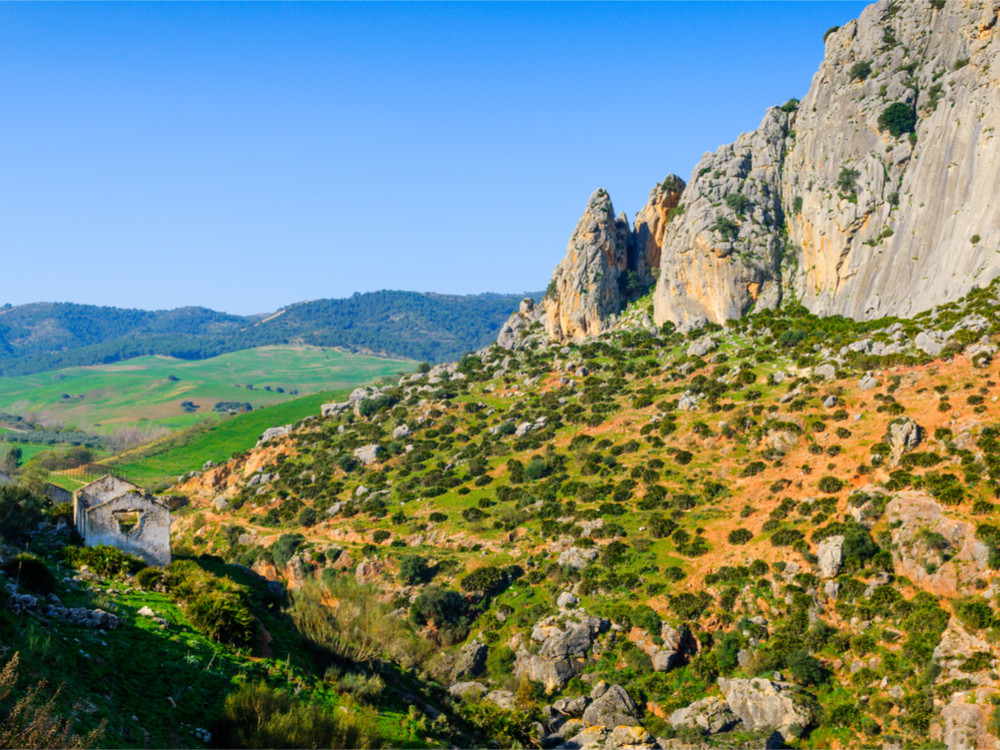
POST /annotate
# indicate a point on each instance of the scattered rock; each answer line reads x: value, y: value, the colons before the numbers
x: 612, y: 708
x: 711, y: 715
x: 368, y: 454
x: 831, y: 556
x: 763, y: 704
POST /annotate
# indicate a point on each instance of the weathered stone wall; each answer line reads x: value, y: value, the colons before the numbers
x: 95, y: 493
x: 149, y: 538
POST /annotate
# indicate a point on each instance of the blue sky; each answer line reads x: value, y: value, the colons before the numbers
x: 246, y: 156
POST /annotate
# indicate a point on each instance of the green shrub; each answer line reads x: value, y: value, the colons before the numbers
x: 30, y: 572
x: 830, y: 485
x: 259, y: 716
x: 847, y: 181
x: 307, y: 517
x: 974, y: 613
x: 218, y: 607
x: 860, y: 70
x: 20, y: 512
x: 740, y: 536
x: 487, y: 581
x: 413, y: 569
x: 104, y: 560
x: 284, y: 549
x: 898, y: 118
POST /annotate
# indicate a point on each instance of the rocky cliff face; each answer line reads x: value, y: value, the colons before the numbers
x: 722, y: 254
x: 584, y: 289
x: 876, y: 195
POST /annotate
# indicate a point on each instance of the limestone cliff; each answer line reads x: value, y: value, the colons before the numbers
x: 876, y: 195
x: 584, y: 289
x: 722, y: 254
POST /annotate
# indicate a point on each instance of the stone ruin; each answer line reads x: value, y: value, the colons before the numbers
x: 117, y: 513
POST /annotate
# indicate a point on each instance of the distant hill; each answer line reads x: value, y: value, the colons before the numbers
x: 415, y: 325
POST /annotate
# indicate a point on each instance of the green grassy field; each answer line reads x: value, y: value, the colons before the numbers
x: 148, y: 391
x: 185, y: 451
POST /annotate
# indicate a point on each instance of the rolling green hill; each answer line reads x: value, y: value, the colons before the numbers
x: 150, y: 391
x: 412, y: 325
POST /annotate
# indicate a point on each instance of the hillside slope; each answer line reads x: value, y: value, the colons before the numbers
x: 785, y: 528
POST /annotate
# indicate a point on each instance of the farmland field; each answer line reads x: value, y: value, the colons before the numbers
x: 185, y: 451
x: 149, y: 391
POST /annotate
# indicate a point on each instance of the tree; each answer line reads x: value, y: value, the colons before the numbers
x: 11, y: 459
x: 898, y: 118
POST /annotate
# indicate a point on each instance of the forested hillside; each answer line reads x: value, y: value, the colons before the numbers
x: 414, y: 325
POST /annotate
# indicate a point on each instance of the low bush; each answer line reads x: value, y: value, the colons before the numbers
x: 259, y: 716
x: 104, y: 560
x: 30, y: 572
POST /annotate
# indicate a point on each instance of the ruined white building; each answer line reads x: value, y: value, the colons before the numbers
x: 117, y: 513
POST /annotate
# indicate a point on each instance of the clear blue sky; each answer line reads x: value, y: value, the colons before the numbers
x: 246, y: 156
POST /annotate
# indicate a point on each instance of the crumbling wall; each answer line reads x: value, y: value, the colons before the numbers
x: 133, y: 523
x: 95, y: 493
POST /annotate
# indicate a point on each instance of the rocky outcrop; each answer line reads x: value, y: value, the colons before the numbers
x: 763, y: 704
x: 612, y: 707
x: 830, y: 556
x: 831, y: 202
x: 904, y: 435
x: 965, y: 720
x: 515, y: 332
x: 565, y: 642
x: 651, y: 225
x: 584, y: 289
x: 938, y: 554
x: 711, y: 715
x: 722, y: 255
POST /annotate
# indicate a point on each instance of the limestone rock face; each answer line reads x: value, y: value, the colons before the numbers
x: 923, y: 537
x: 613, y: 708
x: 722, y: 255
x: 565, y: 642
x: 875, y: 223
x: 584, y: 287
x: 831, y: 556
x: 711, y: 715
x: 651, y: 224
x: 762, y: 704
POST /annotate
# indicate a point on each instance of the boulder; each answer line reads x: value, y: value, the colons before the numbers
x: 565, y: 643
x: 368, y: 454
x: 578, y: 557
x: 711, y: 715
x: 467, y: 691
x: 471, y: 661
x: 274, y: 432
x: 402, y: 431
x: 764, y: 704
x: 912, y: 516
x: 501, y: 699
x: 867, y: 383
x: 701, y: 347
x: 831, y: 556
x: 613, y: 708
x: 566, y: 600
x: 930, y: 343
x: 904, y: 435
x: 826, y: 371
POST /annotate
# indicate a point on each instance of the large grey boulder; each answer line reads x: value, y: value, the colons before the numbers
x: 614, y: 708
x: 904, y: 435
x: 929, y: 343
x: 578, y: 557
x: 711, y: 715
x: 831, y: 556
x: 471, y: 661
x: 274, y: 432
x: 565, y: 642
x: 763, y: 704
x: 368, y: 454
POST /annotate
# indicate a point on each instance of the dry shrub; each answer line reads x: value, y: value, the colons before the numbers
x: 347, y: 620
x: 33, y: 721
